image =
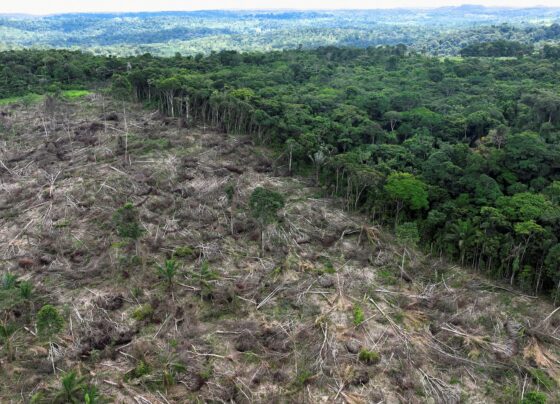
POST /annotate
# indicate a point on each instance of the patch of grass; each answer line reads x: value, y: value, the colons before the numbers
x: 141, y: 369
x: 28, y: 99
x: 534, y: 397
x: 250, y: 357
x: 206, y: 373
x: 9, y: 298
x: 183, y: 252
x: 327, y: 268
x: 151, y: 145
x: 369, y: 357
x: 358, y: 315
x: 62, y: 223
x: 143, y: 312
x: 302, y: 378
x: 454, y: 380
x: 73, y: 94
x: 398, y: 317
x: 387, y: 277
x: 540, y: 377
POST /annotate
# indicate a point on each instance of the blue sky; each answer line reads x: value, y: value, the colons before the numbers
x: 63, y: 6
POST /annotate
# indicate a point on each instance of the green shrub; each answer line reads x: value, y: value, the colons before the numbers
x: 26, y: 290
x: 141, y: 369
x: 143, y: 312
x: 369, y: 357
x: 167, y: 271
x: 534, y: 397
x: 359, y: 316
x: 407, y: 233
x: 540, y: 377
x: 182, y: 252
x: 49, y: 321
x: 302, y: 378
x: 9, y: 281
x: 126, y: 222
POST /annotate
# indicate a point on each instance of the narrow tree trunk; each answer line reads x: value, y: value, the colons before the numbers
x: 262, y: 240
x: 125, y: 134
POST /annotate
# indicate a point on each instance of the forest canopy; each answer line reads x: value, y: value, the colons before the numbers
x: 437, y: 31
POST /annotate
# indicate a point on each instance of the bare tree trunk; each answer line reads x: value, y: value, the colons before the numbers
x: 262, y: 240
x: 125, y: 135
x: 290, y: 163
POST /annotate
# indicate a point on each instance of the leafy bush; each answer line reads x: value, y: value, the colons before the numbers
x: 358, y: 315
x: 407, y: 233
x: 9, y: 281
x: 369, y: 357
x: 534, y: 397
x: 182, y: 252
x: 49, y: 322
x: 126, y: 222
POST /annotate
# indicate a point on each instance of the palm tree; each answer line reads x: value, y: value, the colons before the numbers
x: 168, y: 271
x: 71, y: 389
x: 459, y: 233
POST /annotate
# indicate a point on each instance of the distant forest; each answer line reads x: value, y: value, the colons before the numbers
x: 442, y: 31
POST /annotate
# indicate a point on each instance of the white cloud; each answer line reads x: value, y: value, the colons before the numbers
x: 65, y: 6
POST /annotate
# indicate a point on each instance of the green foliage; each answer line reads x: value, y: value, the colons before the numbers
x: 302, y: 378
x: 92, y: 395
x: 121, y: 88
x: 540, y: 377
x: 406, y: 189
x: 71, y: 389
x: 7, y: 334
x: 74, y: 94
x: 127, y: 223
x: 500, y: 48
x: 144, y: 312
x: 26, y: 290
x: 491, y: 32
x: 49, y: 322
x: 9, y: 281
x: 264, y: 205
x: 167, y: 271
x: 534, y: 397
x: 358, y: 315
x: 183, y: 252
x: 407, y: 233
x: 204, y: 277
x: 369, y: 357
x: 141, y: 369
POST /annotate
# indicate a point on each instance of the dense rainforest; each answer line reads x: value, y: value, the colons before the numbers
x: 436, y: 31
x: 460, y: 156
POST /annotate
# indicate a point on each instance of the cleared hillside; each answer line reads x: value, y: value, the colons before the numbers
x: 333, y: 310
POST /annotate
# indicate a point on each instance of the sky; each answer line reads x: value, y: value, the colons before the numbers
x: 66, y: 6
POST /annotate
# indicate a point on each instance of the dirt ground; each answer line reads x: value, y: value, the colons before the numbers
x: 333, y: 310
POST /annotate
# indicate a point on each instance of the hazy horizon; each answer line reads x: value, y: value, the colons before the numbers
x: 39, y: 7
